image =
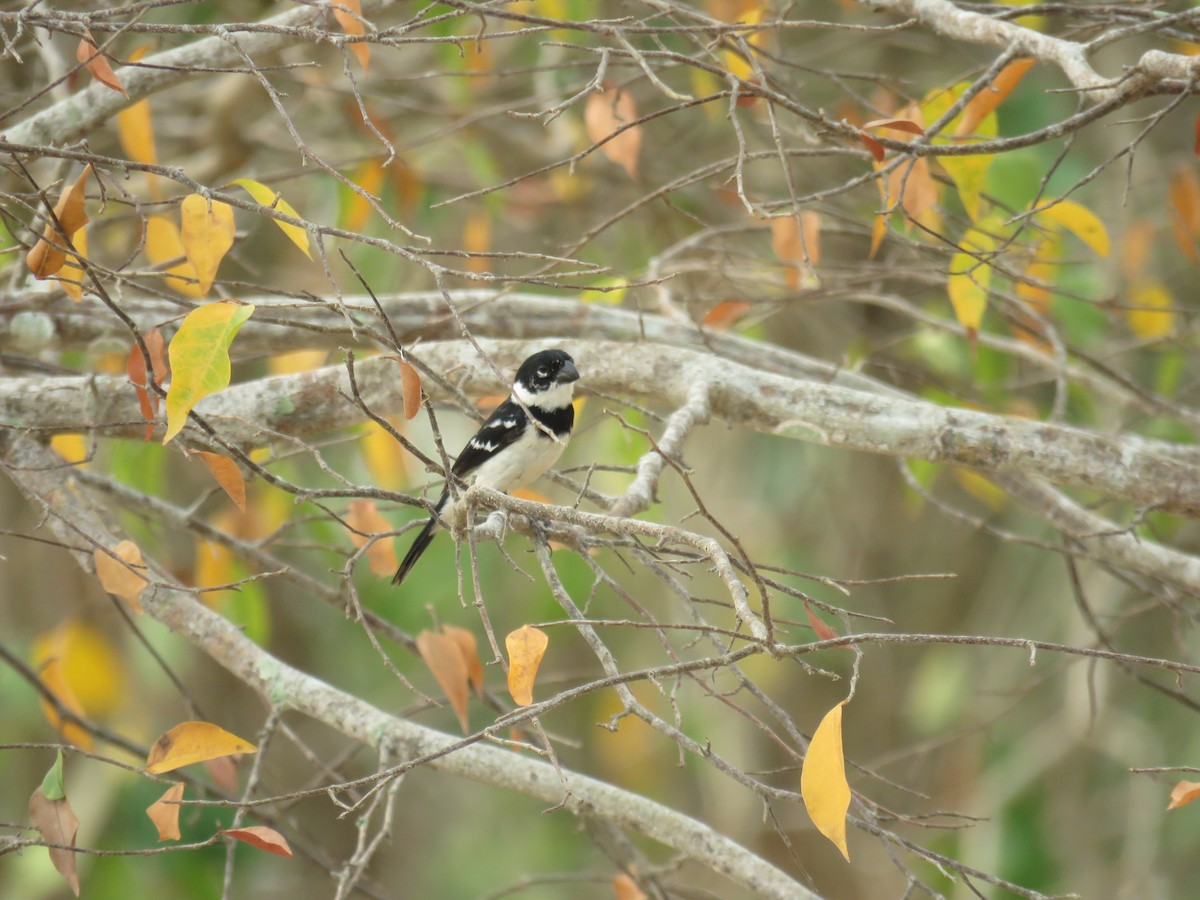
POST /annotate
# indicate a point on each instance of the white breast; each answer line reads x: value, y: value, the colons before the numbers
x: 521, y: 463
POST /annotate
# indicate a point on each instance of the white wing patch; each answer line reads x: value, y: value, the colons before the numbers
x: 485, y: 446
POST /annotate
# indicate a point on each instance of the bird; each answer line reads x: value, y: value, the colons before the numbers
x: 523, y: 438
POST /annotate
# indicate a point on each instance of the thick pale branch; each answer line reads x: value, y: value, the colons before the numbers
x: 1143, y: 472
x: 37, y: 473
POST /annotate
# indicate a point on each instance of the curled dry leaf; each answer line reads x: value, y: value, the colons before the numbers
x: 49, y: 254
x: 364, y: 521
x: 97, y: 64
x: 261, y: 837
x: 526, y: 646
x: 164, y: 813
x: 445, y: 660
x: 820, y: 629
x: 57, y: 825
x: 122, y: 576
x: 136, y: 368
x: 607, y: 111
x: 410, y: 383
x: 193, y: 742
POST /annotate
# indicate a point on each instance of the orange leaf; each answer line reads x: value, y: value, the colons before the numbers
x: 193, y: 742
x: 442, y: 655
x: 605, y: 112
x: 625, y: 888
x: 878, y: 233
x: 529, y: 494
x: 349, y: 16
x: 820, y: 629
x: 97, y: 63
x: 914, y: 187
x: 796, y: 242
x: 165, y: 814
x: 877, y: 149
x: 1184, y: 793
x: 366, y: 520
x: 58, y: 825
x: 410, y: 384
x: 526, y: 646
x: 906, y: 125
x: 261, y: 837
x: 136, y: 133
x: 722, y: 316
x: 122, y: 576
x: 136, y: 367
x: 228, y: 476
x: 49, y: 253
x: 465, y: 641
x: 823, y: 780
x: 1136, y: 247
x: 990, y: 98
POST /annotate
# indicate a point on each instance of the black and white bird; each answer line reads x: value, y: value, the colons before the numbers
x: 523, y: 438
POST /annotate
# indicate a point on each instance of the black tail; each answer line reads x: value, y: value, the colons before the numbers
x: 424, y: 539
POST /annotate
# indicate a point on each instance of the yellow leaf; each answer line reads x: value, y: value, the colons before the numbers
x: 136, y: 133
x: 214, y: 564
x: 267, y: 197
x: 605, y: 112
x: 386, y: 458
x: 349, y: 16
x: 163, y: 246
x: 122, y: 576
x: 369, y: 177
x: 164, y: 813
x: 364, y: 521
x: 193, y: 742
x: 90, y: 665
x: 72, y: 271
x: 444, y: 659
x: 207, y: 235
x: 823, y: 780
x: 981, y: 488
x: 56, y: 683
x: 297, y: 361
x: 1184, y: 793
x: 614, y: 291
x: 228, y: 476
x: 199, y: 355
x: 526, y: 646
x: 750, y: 14
x: 49, y: 254
x: 1151, y: 315
x: 969, y: 279
x: 1080, y: 221
x: 967, y: 172
x: 72, y: 448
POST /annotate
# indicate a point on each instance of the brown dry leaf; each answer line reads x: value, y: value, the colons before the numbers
x: 49, y: 253
x: 722, y: 316
x: 88, y: 54
x: 445, y: 660
x: 57, y: 825
x: 877, y: 149
x: 165, y: 814
x: 349, y: 16
x: 913, y: 184
x: 606, y: 111
x: 193, y: 742
x: 228, y: 476
x: 122, y: 576
x: 988, y: 99
x: 465, y: 641
x: 410, y: 383
x: 897, y: 124
x: 1184, y: 793
x: 261, y: 837
x: 526, y: 646
x: 363, y: 517
x: 625, y: 888
x: 820, y: 629
x: 136, y: 368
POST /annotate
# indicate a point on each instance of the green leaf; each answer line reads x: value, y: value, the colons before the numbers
x: 199, y: 355
x: 52, y: 784
x: 267, y: 197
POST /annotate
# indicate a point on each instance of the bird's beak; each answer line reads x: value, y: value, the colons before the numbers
x: 567, y: 373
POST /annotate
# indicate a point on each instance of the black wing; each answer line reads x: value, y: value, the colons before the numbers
x: 503, y: 427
